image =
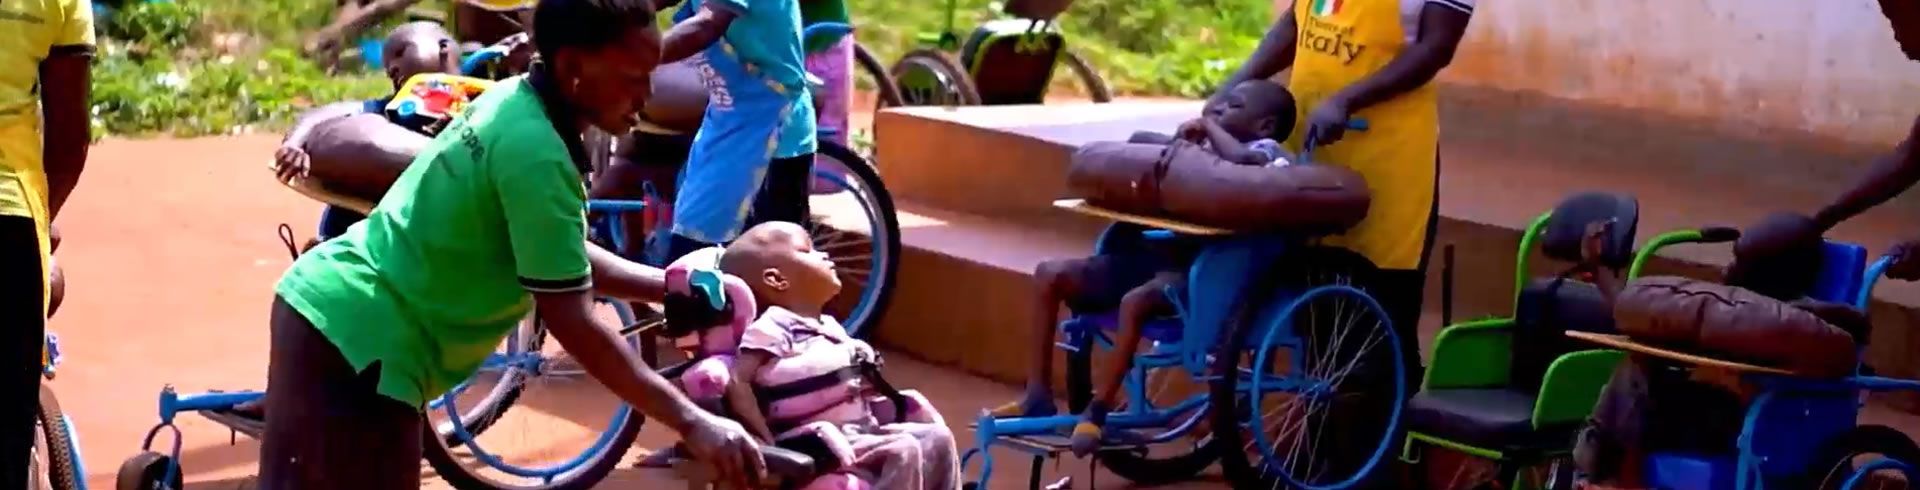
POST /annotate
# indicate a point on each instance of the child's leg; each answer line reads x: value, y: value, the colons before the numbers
x: 1055, y: 281
x: 1609, y: 450
x: 330, y: 428
x: 1136, y: 307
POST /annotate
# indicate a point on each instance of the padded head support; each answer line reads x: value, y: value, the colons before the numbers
x: 699, y: 297
x: 1568, y: 225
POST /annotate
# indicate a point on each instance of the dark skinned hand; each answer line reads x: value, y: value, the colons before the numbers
x: 1906, y: 261
x: 1194, y: 130
x: 1328, y: 122
x: 727, y: 447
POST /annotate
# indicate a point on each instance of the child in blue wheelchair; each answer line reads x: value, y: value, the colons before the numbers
x: 793, y: 377
x: 1244, y: 127
x: 1652, y: 406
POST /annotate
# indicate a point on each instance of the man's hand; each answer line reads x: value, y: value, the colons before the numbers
x: 726, y: 446
x: 1906, y: 261
x: 290, y: 162
x: 1328, y: 122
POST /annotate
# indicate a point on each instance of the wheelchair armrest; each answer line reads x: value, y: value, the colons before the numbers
x: 1474, y: 354
x: 787, y: 465
x: 1572, y: 386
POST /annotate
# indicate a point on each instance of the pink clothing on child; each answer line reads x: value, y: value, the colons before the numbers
x: 803, y: 348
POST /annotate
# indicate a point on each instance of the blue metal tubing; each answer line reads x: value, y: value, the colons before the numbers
x: 1860, y: 474
x: 172, y: 404
x: 1874, y: 273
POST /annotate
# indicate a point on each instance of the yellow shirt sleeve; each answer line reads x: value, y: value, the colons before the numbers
x: 77, y: 28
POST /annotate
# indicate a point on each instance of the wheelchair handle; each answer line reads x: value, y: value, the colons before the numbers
x: 1875, y: 271
x: 1355, y: 124
x: 1704, y: 234
x: 474, y: 62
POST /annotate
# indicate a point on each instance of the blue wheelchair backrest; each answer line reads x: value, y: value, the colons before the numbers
x: 1842, y: 273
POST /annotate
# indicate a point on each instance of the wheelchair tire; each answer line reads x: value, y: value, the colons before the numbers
x: 1139, y: 467
x: 869, y: 303
x: 145, y: 471
x: 584, y: 471
x: 1835, y: 462
x: 53, y: 466
x: 1263, y: 311
x: 1096, y: 86
x: 886, y: 93
x: 931, y: 77
x: 532, y: 337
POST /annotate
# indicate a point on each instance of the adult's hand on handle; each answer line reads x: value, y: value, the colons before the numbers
x: 726, y: 446
x: 1328, y: 122
x: 1906, y: 261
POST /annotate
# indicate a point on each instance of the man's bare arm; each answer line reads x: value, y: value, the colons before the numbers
x: 66, y: 82
x: 624, y: 279
x: 1274, y: 53
x: 1441, y: 28
x: 605, y: 356
x: 696, y: 33
x: 1888, y: 176
x: 297, y: 137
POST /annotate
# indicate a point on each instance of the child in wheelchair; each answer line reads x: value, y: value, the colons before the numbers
x: 1245, y: 127
x: 794, y: 377
x: 1653, y: 406
x: 411, y: 49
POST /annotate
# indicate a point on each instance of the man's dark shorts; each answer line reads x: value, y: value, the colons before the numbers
x: 327, y: 426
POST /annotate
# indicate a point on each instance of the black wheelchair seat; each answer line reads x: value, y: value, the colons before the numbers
x: 1499, y: 418
x: 1016, y: 76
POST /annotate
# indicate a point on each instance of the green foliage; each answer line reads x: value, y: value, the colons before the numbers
x: 196, y: 67
x: 1154, y: 47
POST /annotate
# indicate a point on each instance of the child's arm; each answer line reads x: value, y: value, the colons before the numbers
x: 1231, y: 148
x: 700, y: 31
x: 746, y: 408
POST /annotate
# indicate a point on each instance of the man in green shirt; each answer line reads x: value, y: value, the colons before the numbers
x: 487, y: 224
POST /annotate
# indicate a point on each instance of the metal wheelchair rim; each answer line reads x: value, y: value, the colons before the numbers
x: 1256, y: 400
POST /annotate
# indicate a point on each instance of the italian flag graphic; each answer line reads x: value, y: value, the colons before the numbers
x: 1323, y: 8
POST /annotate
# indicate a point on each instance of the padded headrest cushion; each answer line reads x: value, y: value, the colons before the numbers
x: 1568, y: 225
x: 697, y: 274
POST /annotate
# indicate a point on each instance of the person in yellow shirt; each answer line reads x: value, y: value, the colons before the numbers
x: 1373, y: 60
x: 46, y: 47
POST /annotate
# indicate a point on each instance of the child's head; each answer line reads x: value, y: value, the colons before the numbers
x: 419, y: 47
x: 778, y: 261
x: 1904, y: 15
x: 1254, y: 109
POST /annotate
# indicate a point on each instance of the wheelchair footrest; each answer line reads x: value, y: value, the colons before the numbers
x: 1054, y: 444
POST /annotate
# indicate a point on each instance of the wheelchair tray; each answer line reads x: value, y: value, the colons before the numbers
x: 1081, y: 206
x: 1623, y: 343
x: 317, y: 192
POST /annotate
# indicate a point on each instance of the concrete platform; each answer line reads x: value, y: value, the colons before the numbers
x: 979, y: 179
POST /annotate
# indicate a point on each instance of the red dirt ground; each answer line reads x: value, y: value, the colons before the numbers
x: 171, y: 254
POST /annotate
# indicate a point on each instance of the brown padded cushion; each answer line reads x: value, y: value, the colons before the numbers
x: 1186, y: 182
x: 679, y: 98
x: 1735, y: 324
x: 361, y: 155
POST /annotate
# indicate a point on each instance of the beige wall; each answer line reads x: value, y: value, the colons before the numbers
x: 1824, y: 66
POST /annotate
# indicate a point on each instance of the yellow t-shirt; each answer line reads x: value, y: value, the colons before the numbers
x: 29, y: 31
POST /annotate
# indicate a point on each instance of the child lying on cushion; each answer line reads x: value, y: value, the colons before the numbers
x: 1246, y: 127
x: 792, y: 340
x: 1648, y: 406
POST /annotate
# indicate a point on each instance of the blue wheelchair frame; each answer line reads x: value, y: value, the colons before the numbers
x: 1792, y: 417
x: 1224, y: 270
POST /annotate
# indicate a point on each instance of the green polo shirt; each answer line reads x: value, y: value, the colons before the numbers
x: 440, y: 271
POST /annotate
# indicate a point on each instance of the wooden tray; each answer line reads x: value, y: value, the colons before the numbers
x: 315, y: 191
x: 1081, y: 206
x: 1623, y: 343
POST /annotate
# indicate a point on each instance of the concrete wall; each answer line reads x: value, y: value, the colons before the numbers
x: 1828, y: 67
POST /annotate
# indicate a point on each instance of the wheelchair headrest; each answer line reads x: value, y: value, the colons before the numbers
x: 1560, y: 240
x: 697, y: 275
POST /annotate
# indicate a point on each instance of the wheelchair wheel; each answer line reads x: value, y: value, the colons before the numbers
x: 53, y: 458
x: 1311, y: 381
x: 933, y: 77
x: 1847, y: 462
x: 886, y: 93
x: 855, y: 224
x: 573, y: 440
x: 148, y: 471
x: 1184, y: 449
x: 1096, y: 87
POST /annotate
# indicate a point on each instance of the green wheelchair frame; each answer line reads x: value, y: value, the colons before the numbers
x: 931, y: 75
x: 1478, y: 354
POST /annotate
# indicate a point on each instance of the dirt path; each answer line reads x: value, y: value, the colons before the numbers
x: 171, y: 254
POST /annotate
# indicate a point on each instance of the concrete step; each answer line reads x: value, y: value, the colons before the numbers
x: 988, y: 175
